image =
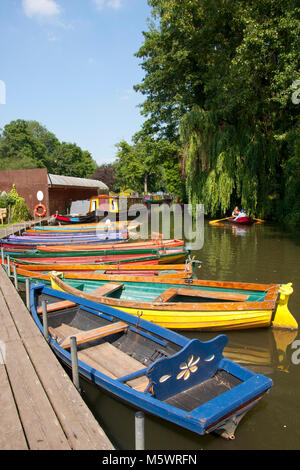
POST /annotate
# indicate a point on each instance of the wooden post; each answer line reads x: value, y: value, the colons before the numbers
x: 45, y: 320
x: 139, y: 431
x: 74, y: 358
x: 27, y: 284
x: 15, y: 277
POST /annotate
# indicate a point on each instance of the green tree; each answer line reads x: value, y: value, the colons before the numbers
x: 28, y: 144
x: 219, y: 73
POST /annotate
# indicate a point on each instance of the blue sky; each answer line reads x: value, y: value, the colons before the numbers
x: 70, y: 65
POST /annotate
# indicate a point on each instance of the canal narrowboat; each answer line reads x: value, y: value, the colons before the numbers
x: 189, y: 304
x: 186, y: 382
x: 68, y: 219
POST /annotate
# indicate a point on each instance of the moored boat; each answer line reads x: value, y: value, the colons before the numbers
x: 138, y: 256
x: 186, y: 382
x: 189, y: 304
x: 147, y: 244
x: 241, y: 220
x: 35, y: 271
x: 68, y: 219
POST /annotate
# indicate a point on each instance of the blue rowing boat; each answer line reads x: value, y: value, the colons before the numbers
x: 187, y: 382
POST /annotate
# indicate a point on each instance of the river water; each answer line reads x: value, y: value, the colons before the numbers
x: 261, y: 253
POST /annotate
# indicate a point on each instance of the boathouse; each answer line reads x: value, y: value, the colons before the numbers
x: 58, y: 192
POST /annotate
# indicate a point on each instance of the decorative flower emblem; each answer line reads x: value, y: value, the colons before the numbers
x: 188, y: 368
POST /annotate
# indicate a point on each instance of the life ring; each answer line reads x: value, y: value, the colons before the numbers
x: 40, y: 206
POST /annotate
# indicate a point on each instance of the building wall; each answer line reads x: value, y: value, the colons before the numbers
x: 28, y: 183
x: 61, y: 198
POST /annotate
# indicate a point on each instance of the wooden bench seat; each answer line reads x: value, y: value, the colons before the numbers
x: 63, y: 330
x: 114, y: 363
x: 107, y: 289
x: 96, y: 333
x: 55, y: 306
x: 169, y: 294
x: 101, y: 291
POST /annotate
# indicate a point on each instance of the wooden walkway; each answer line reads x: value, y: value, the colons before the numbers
x: 40, y: 409
x: 19, y: 227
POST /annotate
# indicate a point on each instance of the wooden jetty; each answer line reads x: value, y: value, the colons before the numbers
x: 40, y: 408
x: 19, y: 227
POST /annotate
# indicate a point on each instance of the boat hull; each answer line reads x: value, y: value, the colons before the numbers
x: 215, y: 413
x: 201, y: 316
x: 241, y: 221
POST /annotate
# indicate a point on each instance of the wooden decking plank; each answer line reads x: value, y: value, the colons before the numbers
x: 54, y: 414
x: 40, y: 424
x: 11, y: 435
x: 8, y: 330
x: 80, y: 426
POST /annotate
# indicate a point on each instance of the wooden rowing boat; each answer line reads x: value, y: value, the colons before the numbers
x: 104, y: 241
x: 92, y: 227
x: 148, y: 244
x: 41, y: 272
x: 241, y: 221
x: 189, y: 304
x: 186, y: 382
x: 174, y: 255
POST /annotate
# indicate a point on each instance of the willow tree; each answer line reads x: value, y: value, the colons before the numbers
x: 219, y: 75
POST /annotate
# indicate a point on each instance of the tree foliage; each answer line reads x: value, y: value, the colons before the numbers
x: 28, y: 144
x: 149, y: 166
x: 15, y: 205
x: 107, y: 174
x: 219, y: 75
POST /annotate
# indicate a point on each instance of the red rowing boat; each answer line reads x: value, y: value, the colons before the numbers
x: 241, y: 221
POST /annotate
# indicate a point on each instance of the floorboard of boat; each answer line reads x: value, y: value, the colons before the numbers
x: 113, y: 362
x: 196, y: 396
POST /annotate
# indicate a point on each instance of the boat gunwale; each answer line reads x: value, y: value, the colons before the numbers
x: 268, y: 304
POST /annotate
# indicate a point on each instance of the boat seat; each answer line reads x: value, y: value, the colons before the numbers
x: 57, y: 306
x: 111, y: 361
x: 63, y: 330
x: 107, y: 289
x: 226, y: 296
x: 96, y: 333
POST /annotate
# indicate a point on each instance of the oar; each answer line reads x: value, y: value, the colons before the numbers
x: 215, y: 221
x: 258, y: 220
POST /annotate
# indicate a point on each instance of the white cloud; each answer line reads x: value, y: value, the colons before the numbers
x: 115, y: 4
x: 41, y: 8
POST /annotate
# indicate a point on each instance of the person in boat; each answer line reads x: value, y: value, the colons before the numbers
x: 241, y: 214
x: 236, y: 211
